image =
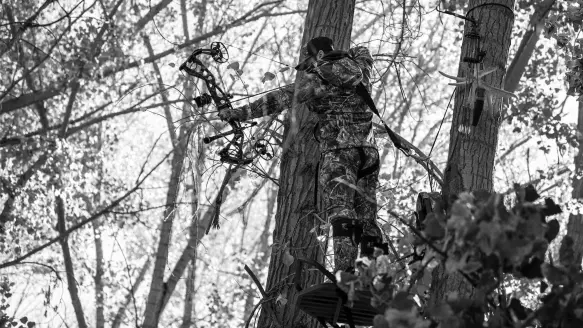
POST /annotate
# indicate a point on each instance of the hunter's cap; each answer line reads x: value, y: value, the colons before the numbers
x: 311, y: 48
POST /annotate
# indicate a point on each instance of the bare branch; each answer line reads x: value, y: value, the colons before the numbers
x: 24, y: 26
x: 117, y: 320
x: 216, y: 31
x: 87, y: 220
x: 150, y: 15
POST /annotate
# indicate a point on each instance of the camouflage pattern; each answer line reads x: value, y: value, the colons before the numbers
x: 347, y: 193
x: 344, y: 132
x: 345, y: 253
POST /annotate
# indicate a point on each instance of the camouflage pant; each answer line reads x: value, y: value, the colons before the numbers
x: 348, y: 180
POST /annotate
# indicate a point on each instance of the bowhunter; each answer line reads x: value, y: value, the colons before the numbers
x: 332, y: 87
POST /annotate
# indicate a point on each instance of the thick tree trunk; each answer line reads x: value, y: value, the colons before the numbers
x: 296, y: 206
x: 575, y: 224
x: 471, y: 155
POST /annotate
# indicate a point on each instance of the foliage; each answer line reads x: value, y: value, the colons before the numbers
x: 564, y: 27
x: 118, y: 128
x: 6, y: 320
x: 484, y: 239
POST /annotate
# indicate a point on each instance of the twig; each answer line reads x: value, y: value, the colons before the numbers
x: 84, y: 222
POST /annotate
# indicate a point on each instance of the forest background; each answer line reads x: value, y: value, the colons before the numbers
x: 98, y: 131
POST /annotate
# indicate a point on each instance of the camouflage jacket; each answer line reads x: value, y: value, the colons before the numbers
x: 345, y: 120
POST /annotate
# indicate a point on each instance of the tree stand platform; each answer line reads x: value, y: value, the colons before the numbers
x: 326, y: 302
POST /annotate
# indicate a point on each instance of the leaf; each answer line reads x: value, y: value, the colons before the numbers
x: 281, y: 300
x: 551, y: 208
x: 532, y: 269
x: 31, y: 324
x: 403, y: 302
x: 543, y: 286
x: 433, y: 228
x: 554, y: 275
x: 379, y: 321
x: 441, y: 311
x: 460, y: 210
x: 552, y: 230
x: 519, y: 310
x: 283, y: 69
x: 172, y: 65
x: 239, y: 72
x: 566, y: 252
x: 530, y: 194
x: 24, y: 320
x: 268, y: 76
x: 288, y: 259
x: 234, y: 66
x: 472, y: 266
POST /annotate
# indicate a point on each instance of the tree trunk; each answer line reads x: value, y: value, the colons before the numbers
x: 70, y: 271
x: 98, y: 239
x: 187, y: 314
x: 158, y: 289
x: 575, y: 224
x: 296, y: 206
x: 197, y: 171
x: 471, y: 155
x: 527, y: 45
x: 99, y: 306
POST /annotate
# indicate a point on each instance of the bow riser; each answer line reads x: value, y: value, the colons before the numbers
x: 194, y: 67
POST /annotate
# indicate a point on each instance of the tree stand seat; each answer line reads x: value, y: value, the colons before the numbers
x: 326, y: 302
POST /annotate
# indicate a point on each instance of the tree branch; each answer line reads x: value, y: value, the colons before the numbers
x: 216, y: 31
x: 69, y: 270
x: 88, y: 220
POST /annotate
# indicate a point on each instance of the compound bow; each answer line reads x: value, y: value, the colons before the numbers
x: 233, y: 152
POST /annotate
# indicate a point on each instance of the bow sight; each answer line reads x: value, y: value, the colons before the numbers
x: 233, y: 152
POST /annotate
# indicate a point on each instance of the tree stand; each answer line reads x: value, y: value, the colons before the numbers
x: 326, y: 302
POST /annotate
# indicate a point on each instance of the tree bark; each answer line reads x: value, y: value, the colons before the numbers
x: 575, y: 224
x: 471, y: 155
x: 98, y: 238
x: 187, y: 314
x: 296, y: 206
